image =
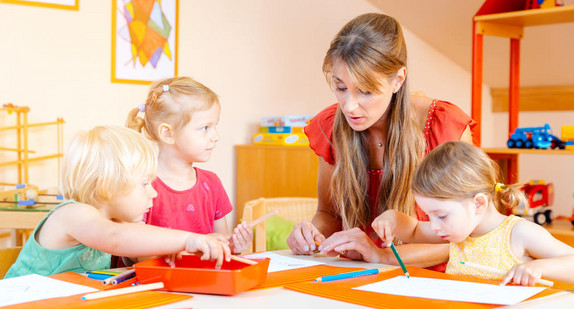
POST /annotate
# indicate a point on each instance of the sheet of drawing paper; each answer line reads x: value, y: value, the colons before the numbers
x: 279, y: 262
x: 35, y: 287
x: 452, y: 290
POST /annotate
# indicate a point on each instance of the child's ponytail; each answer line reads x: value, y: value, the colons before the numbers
x: 506, y: 197
x: 133, y: 121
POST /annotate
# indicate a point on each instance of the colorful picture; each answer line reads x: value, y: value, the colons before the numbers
x: 55, y: 4
x: 144, y: 40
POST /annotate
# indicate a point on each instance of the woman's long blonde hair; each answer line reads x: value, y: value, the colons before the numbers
x: 458, y: 170
x: 171, y: 101
x: 372, y: 47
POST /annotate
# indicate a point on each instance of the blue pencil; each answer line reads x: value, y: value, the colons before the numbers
x: 352, y: 274
x: 400, y: 260
x: 98, y: 276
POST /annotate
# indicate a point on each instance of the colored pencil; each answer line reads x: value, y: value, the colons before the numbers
x: 98, y: 276
x: 123, y: 276
x: 105, y: 272
x: 352, y: 274
x: 243, y: 260
x: 131, y: 289
x: 263, y: 218
x: 502, y: 272
x: 400, y: 260
x: 258, y: 220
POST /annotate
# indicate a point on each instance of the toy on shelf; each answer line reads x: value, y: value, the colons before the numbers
x: 29, y: 196
x: 568, y: 137
x: 534, y: 137
x: 540, y: 196
x: 542, y: 4
x: 283, y: 130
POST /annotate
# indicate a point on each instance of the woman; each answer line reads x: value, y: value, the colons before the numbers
x: 369, y: 144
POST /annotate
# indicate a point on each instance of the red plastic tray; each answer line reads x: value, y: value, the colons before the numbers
x: 191, y: 274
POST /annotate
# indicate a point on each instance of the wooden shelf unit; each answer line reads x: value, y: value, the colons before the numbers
x: 22, y: 150
x: 506, y: 18
x: 274, y: 171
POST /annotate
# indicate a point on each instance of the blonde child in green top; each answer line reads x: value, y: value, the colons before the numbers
x: 457, y: 186
x: 107, y: 174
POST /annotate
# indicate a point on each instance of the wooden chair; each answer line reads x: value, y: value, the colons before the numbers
x: 7, y: 257
x: 295, y: 209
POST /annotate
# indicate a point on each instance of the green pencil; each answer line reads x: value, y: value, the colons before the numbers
x: 400, y: 261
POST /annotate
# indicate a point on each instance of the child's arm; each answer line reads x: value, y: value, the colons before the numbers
x: 86, y: 225
x: 240, y: 239
x: 554, y: 259
x: 392, y: 223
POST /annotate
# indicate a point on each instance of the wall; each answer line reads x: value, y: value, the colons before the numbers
x: 263, y: 58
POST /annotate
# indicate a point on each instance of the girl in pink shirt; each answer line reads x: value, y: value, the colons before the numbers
x: 181, y: 115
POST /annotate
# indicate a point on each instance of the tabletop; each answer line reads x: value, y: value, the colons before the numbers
x: 280, y: 298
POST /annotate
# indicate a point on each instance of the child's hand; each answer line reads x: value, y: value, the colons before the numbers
x: 524, y: 274
x: 211, y: 247
x: 241, y: 238
x: 384, y: 225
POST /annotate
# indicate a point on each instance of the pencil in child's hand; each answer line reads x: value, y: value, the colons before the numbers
x: 131, y: 289
x: 263, y: 218
x: 404, y: 268
x: 502, y: 272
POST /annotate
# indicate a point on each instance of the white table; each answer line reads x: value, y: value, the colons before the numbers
x: 280, y: 298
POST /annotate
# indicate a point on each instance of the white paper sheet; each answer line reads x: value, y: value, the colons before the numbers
x: 452, y: 290
x: 279, y: 262
x: 35, y: 287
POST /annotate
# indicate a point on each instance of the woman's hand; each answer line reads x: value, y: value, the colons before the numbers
x: 354, y: 244
x: 241, y: 238
x: 384, y: 225
x: 212, y: 247
x: 303, y: 237
x: 524, y: 274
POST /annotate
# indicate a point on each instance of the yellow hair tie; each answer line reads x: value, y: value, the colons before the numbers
x: 498, y: 187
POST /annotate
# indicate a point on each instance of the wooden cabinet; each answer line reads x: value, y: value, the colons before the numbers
x: 274, y: 171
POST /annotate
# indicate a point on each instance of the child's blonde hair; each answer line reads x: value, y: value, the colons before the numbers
x: 104, y: 162
x: 458, y: 170
x: 171, y: 101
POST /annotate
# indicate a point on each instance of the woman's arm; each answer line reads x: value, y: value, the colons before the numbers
x: 392, y: 223
x: 326, y: 219
x: 305, y: 235
x: 357, y: 245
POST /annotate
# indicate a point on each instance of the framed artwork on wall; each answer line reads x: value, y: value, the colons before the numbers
x: 144, y: 40
x: 55, y: 4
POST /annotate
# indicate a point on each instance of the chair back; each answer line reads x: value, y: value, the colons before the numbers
x: 7, y: 257
x: 295, y: 209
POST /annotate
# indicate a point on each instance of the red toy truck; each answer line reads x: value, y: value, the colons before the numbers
x: 540, y: 197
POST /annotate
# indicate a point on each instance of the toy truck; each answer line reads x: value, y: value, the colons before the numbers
x: 540, y: 197
x: 534, y: 137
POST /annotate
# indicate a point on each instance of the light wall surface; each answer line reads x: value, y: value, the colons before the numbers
x: 263, y: 58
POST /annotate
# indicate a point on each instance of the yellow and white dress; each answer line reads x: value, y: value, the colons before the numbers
x: 491, y: 249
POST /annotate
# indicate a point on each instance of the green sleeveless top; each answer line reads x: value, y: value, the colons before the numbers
x: 34, y: 259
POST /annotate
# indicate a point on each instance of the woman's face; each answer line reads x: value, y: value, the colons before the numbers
x: 363, y: 108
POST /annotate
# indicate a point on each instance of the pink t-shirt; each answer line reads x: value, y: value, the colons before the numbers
x: 195, y: 209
